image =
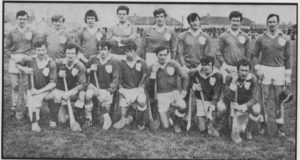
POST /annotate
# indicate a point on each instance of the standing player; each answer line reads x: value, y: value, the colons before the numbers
x: 19, y: 43
x: 121, y: 32
x: 106, y: 69
x: 207, y: 84
x: 56, y: 38
x: 165, y: 74
x: 133, y: 72
x: 233, y: 45
x: 240, y: 93
x: 193, y: 44
x: 43, y: 70
x: 89, y: 36
x: 274, y: 68
x: 157, y: 36
x: 73, y: 71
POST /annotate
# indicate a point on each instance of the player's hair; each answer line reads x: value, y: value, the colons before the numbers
x: 57, y: 17
x: 39, y: 44
x: 192, y: 17
x: 243, y: 62
x: 21, y: 13
x: 235, y: 14
x: 104, y: 43
x: 273, y: 15
x: 123, y: 8
x: 90, y: 13
x: 206, y: 60
x: 159, y: 11
x: 130, y: 45
x: 72, y: 45
x: 161, y: 48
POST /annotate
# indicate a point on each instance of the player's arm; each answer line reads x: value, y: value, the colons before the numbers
x: 52, y: 77
x: 113, y: 85
x: 173, y: 45
x: 217, y: 89
x: 220, y: 50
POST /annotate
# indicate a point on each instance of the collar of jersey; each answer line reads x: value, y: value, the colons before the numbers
x: 126, y: 23
x: 278, y: 32
x: 65, y: 63
x: 131, y: 64
x: 44, y: 63
x: 195, y: 33
x: 105, y: 61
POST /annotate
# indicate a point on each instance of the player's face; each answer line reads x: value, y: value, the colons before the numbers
x: 130, y: 54
x: 160, y: 19
x: 162, y: 56
x: 207, y: 68
x: 71, y: 54
x: 41, y: 51
x: 22, y: 21
x: 243, y: 72
x: 122, y: 15
x: 235, y: 23
x: 58, y: 24
x: 90, y: 21
x: 104, y: 52
x: 273, y: 23
x: 196, y: 24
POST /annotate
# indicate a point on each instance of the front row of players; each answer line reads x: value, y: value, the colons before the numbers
x: 133, y: 84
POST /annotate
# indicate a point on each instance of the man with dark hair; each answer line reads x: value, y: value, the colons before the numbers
x: 73, y: 71
x: 133, y: 72
x: 274, y: 67
x: 121, y: 32
x: 104, y: 85
x: 43, y: 72
x: 19, y: 43
x: 233, y: 45
x: 159, y: 35
x: 193, y: 44
x: 164, y: 77
x: 240, y: 94
x: 89, y: 36
x: 207, y: 84
x: 56, y: 38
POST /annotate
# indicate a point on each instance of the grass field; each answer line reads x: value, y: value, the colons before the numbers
x: 20, y: 142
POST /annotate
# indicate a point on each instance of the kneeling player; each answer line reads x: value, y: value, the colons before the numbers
x: 71, y: 71
x: 164, y: 77
x: 133, y: 72
x: 240, y: 94
x: 207, y: 85
x: 104, y: 75
x: 42, y: 72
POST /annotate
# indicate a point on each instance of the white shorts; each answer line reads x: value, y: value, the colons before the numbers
x: 36, y: 101
x: 103, y: 95
x: 12, y: 62
x: 202, y: 110
x: 273, y: 75
x: 164, y: 100
x: 131, y: 96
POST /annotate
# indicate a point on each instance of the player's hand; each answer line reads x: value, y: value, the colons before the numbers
x: 94, y: 67
x: 62, y: 73
x: 234, y: 78
x: 155, y: 68
x: 34, y: 92
x: 140, y: 90
x: 259, y: 72
x: 121, y: 91
x: 67, y: 95
x: 185, y: 69
x: 196, y: 87
x: 28, y: 71
x: 183, y: 93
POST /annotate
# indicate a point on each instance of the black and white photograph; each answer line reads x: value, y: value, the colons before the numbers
x: 149, y: 80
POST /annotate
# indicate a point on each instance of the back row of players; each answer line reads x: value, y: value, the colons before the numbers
x: 96, y: 64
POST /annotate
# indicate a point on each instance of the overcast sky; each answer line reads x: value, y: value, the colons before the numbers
x: 107, y: 12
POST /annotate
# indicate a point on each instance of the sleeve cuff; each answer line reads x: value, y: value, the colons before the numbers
x: 233, y: 87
